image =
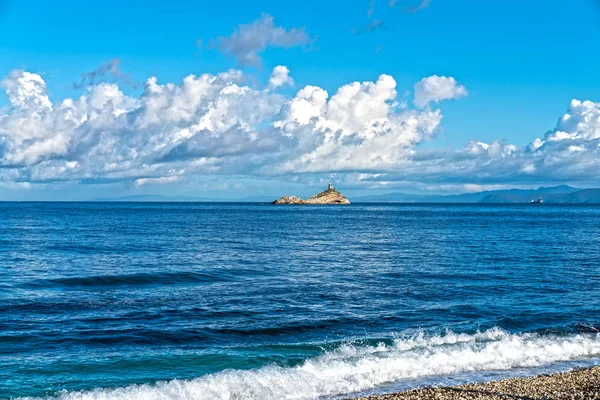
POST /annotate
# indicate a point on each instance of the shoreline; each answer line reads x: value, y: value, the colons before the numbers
x: 583, y: 383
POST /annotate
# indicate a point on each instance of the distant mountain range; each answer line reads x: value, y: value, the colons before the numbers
x: 562, y: 194
x: 554, y: 195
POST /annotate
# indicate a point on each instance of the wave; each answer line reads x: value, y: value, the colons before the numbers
x: 139, y: 279
x: 356, y: 367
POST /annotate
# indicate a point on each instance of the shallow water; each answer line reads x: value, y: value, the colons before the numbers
x: 252, y: 301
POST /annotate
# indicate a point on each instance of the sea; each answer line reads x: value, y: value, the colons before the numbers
x: 177, y: 301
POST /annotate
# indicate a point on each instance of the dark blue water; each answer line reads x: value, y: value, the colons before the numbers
x: 252, y: 301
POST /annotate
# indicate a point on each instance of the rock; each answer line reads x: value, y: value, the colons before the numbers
x: 329, y: 196
x: 289, y: 200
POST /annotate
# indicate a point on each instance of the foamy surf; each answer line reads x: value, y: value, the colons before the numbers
x: 355, y: 367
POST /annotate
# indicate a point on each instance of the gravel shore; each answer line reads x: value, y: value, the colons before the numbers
x: 576, y: 384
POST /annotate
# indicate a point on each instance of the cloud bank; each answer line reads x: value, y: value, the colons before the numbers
x: 218, y: 125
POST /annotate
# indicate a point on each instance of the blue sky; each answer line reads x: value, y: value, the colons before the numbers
x: 521, y: 62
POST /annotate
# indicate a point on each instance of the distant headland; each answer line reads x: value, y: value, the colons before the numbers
x: 562, y: 194
x: 329, y: 196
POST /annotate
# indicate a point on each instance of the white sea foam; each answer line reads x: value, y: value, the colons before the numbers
x: 354, y: 367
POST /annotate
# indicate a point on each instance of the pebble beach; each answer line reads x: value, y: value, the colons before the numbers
x: 576, y: 384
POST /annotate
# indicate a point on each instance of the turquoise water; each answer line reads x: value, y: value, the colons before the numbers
x: 252, y: 301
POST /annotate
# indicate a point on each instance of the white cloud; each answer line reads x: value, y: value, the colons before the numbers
x: 569, y: 153
x: 219, y: 125
x: 249, y: 40
x: 105, y: 134
x: 437, y: 88
x: 26, y: 91
x: 358, y: 128
x: 582, y: 121
x: 280, y: 77
x: 157, y: 181
x: 310, y: 102
x: 208, y: 124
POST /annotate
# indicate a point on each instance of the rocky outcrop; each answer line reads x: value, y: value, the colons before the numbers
x: 289, y: 200
x: 329, y: 196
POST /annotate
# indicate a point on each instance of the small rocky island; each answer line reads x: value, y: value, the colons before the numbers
x: 329, y: 196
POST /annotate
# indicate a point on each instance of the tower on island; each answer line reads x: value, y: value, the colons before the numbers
x: 330, y: 186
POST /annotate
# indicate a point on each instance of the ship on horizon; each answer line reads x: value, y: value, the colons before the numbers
x: 538, y: 201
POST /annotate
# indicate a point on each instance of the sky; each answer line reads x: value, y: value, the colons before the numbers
x: 232, y: 99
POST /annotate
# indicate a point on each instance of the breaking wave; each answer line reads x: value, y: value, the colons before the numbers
x: 358, y: 367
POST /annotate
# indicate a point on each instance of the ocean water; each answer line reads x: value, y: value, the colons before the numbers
x: 133, y: 301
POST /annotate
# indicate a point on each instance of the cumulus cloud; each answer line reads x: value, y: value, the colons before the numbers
x: 249, y: 40
x: 359, y: 128
x: 280, y: 77
x: 437, y: 88
x: 215, y: 124
x: 568, y: 153
x: 207, y: 124
x: 582, y: 121
x: 106, y: 134
x: 26, y: 91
